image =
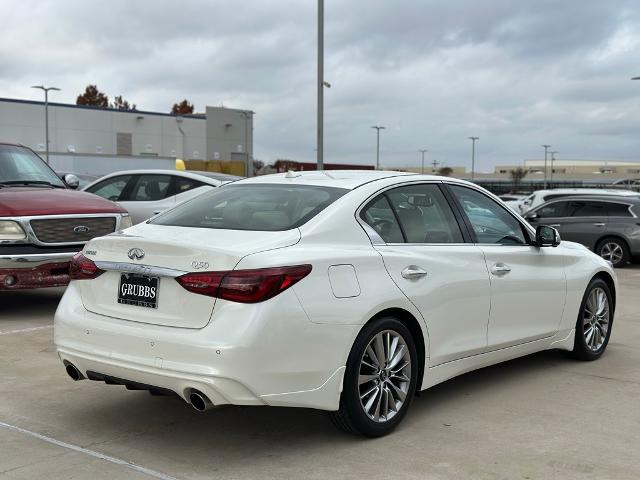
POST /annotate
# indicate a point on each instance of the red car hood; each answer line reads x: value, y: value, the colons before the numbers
x: 28, y: 201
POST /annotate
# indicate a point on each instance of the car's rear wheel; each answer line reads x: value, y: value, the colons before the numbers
x: 593, y: 328
x: 380, y: 379
x: 615, y: 250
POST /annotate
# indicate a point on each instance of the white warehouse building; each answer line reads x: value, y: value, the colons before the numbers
x: 98, y: 140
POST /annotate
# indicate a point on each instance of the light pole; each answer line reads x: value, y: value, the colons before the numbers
x: 423, y: 152
x: 46, y: 91
x: 553, y: 159
x: 378, y: 128
x: 248, y: 159
x: 473, y: 156
x: 546, y: 148
x: 320, y: 120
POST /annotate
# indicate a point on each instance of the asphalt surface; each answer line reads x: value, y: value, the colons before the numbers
x: 540, y: 417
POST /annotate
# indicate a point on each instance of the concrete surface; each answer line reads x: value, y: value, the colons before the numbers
x: 540, y: 417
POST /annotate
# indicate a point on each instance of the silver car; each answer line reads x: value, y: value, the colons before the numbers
x: 607, y: 225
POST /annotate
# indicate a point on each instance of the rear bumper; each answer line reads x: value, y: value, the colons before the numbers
x: 239, y: 358
x: 34, y: 270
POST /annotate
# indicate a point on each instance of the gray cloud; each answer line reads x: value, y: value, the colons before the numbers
x: 516, y: 74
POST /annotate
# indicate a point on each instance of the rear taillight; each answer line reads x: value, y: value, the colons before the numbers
x: 82, y: 268
x: 244, y: 286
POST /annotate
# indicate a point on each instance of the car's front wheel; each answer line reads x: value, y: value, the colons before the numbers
x: 593, y: 327
x: 380, y: 379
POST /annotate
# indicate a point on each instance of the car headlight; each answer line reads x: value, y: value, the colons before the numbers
x: 10, y: 230
x: 125, y: 222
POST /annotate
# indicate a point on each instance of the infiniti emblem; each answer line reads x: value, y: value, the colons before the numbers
x: 81, y: 229
x: 136, y: 254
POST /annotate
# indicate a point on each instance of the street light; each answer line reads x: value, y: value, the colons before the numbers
x: 46, y: 115
x: 473, y: 156
x: 553, y: 158
x: 546, y: 148
x: 378, y: 128
x: 320, y: 120
x: 423, y: 152
x: 248, y: 160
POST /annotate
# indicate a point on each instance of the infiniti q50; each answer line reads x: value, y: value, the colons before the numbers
x: 341, y: 291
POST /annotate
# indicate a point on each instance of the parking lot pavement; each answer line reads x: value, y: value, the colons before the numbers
x: 543, y: 416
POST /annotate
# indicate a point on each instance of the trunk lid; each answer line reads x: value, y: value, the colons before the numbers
x: 168, y: 251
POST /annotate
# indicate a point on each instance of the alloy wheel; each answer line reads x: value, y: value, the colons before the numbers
x: 595, y: 319
x: 384, y: 376
x: 612, y: 251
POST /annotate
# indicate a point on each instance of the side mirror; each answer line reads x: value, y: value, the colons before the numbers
x: 547, y: 236
x: 531, y: 216
x: 71, y: 180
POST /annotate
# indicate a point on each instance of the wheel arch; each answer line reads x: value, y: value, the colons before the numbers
x: 414, y: 326
x: 608, y: 279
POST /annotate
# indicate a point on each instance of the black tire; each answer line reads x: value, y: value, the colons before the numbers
x: 606, y: 245
x: 352, y: 416
x: 581, y: 349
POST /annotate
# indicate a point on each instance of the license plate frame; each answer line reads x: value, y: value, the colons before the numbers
x: 138, y: 298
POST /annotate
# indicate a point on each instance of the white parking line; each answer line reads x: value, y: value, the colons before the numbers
x: 92, y: 453
x: 25, y: 330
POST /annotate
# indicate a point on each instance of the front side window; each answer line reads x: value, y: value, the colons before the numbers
x: 491, y: 222
x: 256, y: 207
x: 151, y: 188
x: 112, y: 188
x: 555, y: 209
x: 184, y: 184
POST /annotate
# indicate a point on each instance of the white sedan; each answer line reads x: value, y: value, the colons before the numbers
x: 342, y: 291
x: 145, y: 193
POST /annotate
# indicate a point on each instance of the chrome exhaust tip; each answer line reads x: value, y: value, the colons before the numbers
x: 199, y: 401
x: 73, y: 372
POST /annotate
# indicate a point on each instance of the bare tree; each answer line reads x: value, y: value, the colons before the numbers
x: 516, y: 176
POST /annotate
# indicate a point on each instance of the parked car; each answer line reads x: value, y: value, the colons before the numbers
x: 77, y: 180
x: 608, y: 225
x: 512, y: 201
x: 630, y: 182
x: 43, y: 223
x: 346, y: 292
x: 145, y: 193
x: 541, y: 196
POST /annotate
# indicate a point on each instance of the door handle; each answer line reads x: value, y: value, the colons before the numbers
x: 598, y: 224
x: 413, y: 272
x: 500, y: 269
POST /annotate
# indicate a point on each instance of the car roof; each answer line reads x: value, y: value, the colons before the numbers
x: 177, y: 173
x: 599, y: 198
x: 587, y: 191
x: 348, y: 179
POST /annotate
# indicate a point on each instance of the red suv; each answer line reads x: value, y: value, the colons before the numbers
x: 43, y: 223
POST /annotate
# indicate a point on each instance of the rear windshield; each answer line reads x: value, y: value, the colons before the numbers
x: 263, y: 207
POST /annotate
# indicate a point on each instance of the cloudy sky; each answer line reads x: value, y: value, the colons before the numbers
x: 515, y: 73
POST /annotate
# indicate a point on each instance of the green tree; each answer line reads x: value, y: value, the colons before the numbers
x: 445, y: 171
x: 185, y: 107
x: 93, y: 96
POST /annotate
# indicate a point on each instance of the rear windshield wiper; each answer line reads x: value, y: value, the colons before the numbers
x: 30, y: 182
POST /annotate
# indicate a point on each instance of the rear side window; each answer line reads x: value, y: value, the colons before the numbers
x: 618, y: 210
x: 586, y: 209
x: 258, y: 207
x: 379, y: 216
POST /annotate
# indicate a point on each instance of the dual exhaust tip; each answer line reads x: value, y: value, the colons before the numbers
x: 198, y: 400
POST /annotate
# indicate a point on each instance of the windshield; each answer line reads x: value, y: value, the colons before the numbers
x: 20, y: 166
x: 260, y: 207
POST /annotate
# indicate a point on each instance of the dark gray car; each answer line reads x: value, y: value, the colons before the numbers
x: 607, y: 225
